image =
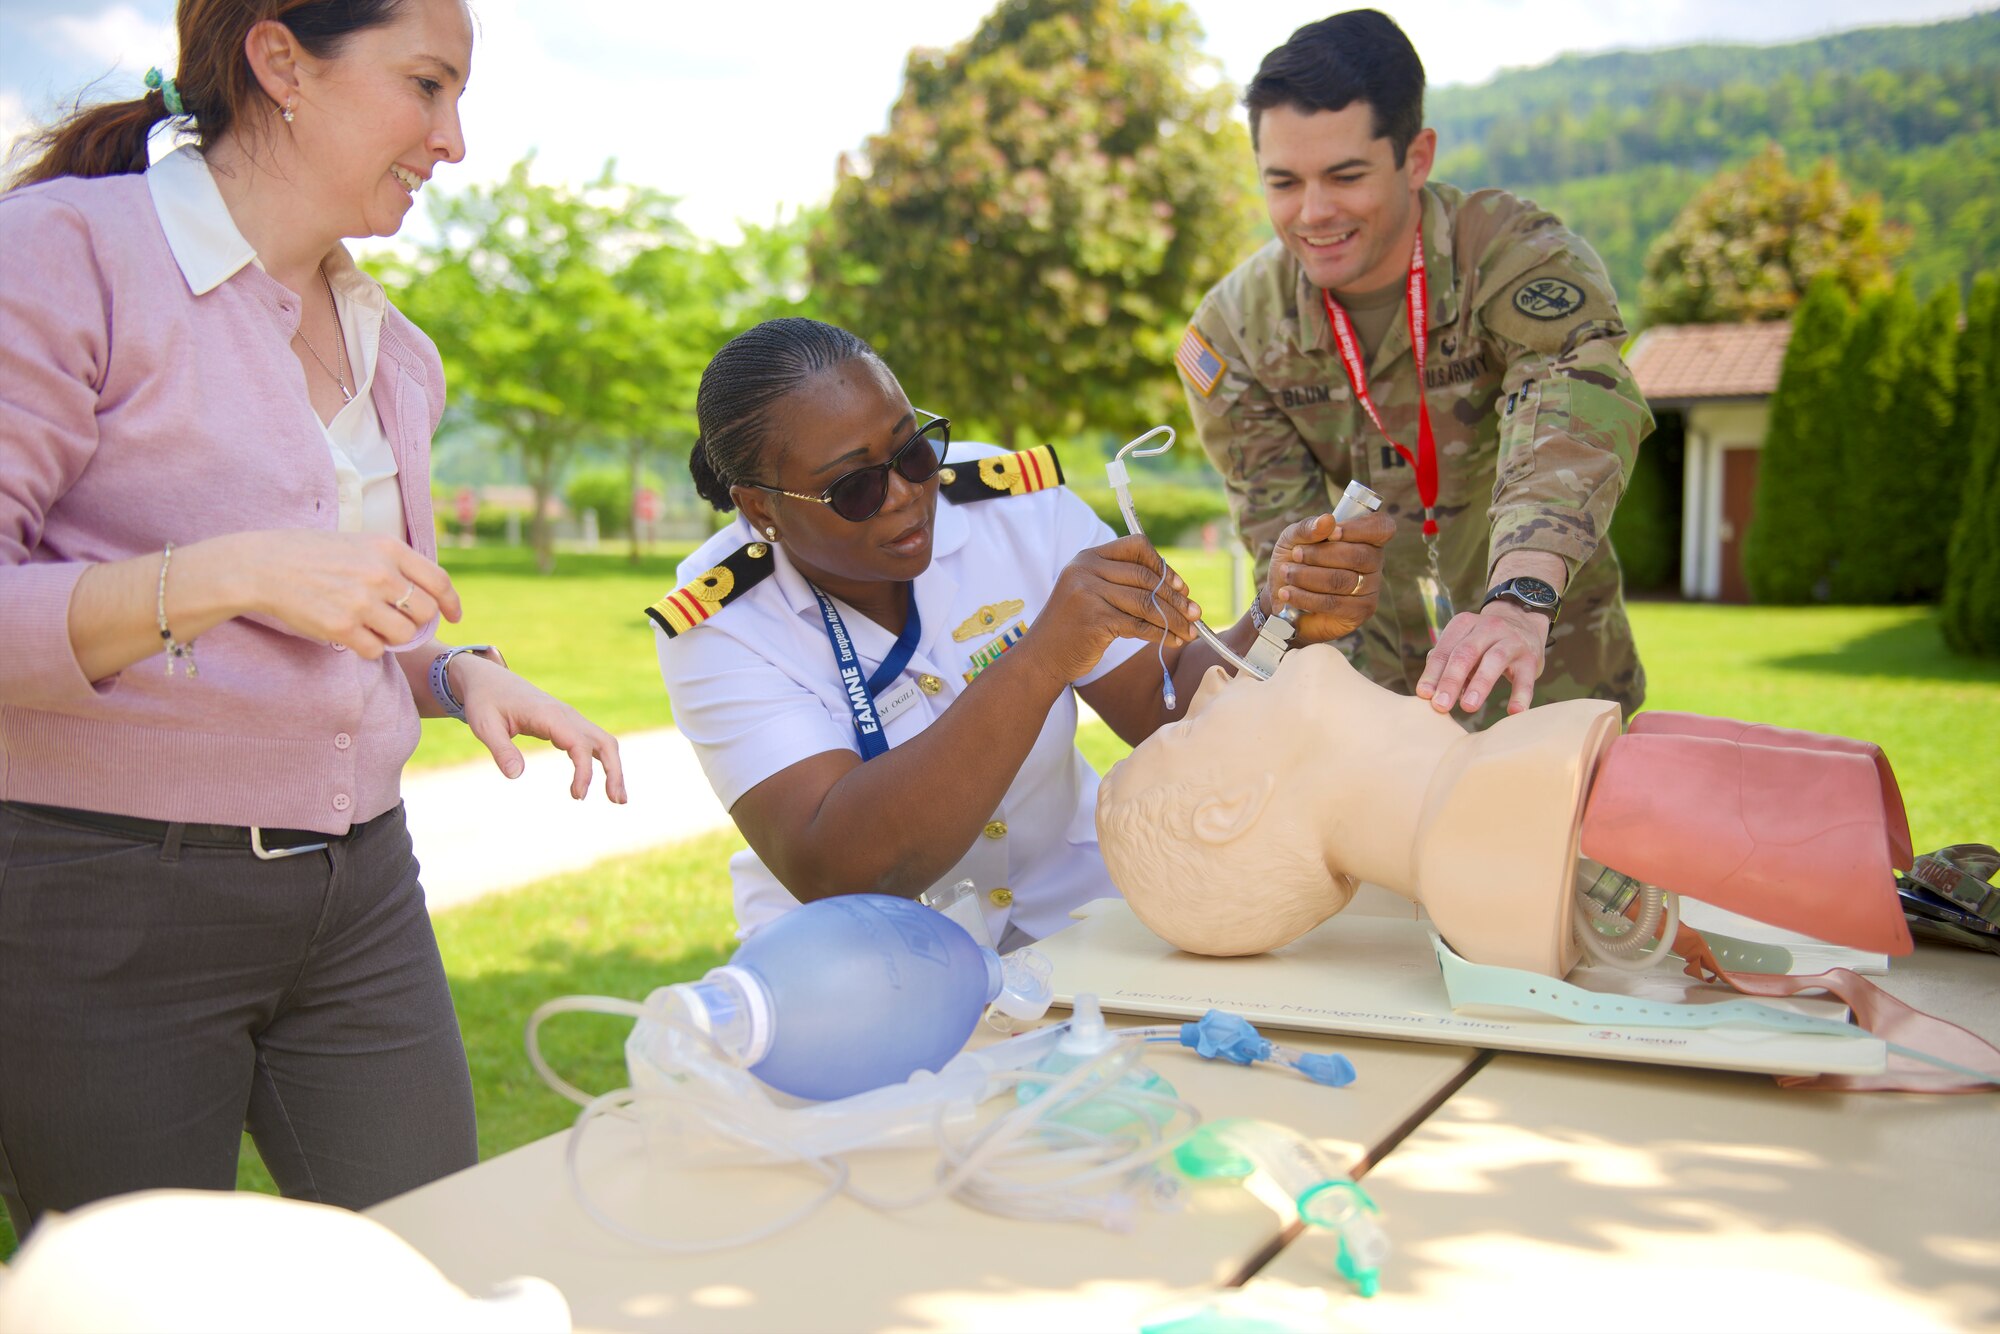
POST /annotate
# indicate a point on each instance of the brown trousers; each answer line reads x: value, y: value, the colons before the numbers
x: 157, y: 997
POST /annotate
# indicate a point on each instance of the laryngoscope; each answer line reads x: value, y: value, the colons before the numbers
x: 1276, y: 635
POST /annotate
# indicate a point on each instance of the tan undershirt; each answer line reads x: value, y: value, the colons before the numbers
x: 1374, y: 312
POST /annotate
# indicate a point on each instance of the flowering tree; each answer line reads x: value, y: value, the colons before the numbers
x: 1748, y: 246
x: 1027, y: 239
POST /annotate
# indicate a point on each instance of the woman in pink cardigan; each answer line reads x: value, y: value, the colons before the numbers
x: 217, y: 599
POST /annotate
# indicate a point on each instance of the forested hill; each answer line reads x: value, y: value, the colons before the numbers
x: 1617, y: 143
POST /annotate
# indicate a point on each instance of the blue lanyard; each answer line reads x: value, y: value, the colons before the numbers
x: 860, y: 694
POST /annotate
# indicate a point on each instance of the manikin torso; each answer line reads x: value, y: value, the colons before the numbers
x: 1246, y: 824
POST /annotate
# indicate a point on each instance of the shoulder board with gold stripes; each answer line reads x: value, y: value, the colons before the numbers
x: 1019, y: 474
x: 702, y: 597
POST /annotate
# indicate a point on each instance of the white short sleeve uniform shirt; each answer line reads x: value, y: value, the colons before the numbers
x: 756, y: 689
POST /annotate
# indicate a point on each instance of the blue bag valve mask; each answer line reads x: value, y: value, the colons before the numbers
x: 847, y: 994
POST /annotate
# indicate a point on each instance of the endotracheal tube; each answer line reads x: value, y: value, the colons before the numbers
x: 1121, y: 486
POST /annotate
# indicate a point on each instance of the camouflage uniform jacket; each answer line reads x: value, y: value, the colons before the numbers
x: 1537, y: 422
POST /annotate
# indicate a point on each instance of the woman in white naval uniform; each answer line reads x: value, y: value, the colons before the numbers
x: 880, y: 680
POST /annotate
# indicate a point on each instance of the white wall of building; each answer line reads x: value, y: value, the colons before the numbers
x: 1712, y: 428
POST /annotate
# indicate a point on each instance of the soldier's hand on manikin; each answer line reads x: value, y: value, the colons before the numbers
x: 1477, y: 649
x: 1331, y: 572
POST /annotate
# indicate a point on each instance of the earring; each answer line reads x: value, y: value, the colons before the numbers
x: 287, y: 111
x: 771, y: 531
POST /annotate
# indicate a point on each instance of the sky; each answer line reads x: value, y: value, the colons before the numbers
x: 743, y: 109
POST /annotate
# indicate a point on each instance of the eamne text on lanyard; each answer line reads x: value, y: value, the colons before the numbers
x: 861, y: 694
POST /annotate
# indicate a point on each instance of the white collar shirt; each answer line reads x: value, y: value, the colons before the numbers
x: 755, y: 689
x: 210, y: 250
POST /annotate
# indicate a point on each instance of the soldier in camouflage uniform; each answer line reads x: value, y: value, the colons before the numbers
x: 1537, y: 420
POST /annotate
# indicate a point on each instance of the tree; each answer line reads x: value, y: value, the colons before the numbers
x: 545, y: 304
x: 1027, y: 239
x: 1974, y: 384
x: 1911, y: 518
x: 1971, y: 618
x: 1873, y: 447
x: 1749, y: 245
x: 1795, y: 535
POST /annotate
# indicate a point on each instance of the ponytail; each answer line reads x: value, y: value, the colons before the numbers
x: 105, y: 140
x: 214, y: 84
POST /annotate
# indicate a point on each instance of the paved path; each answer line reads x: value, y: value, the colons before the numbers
x: 478, y: 833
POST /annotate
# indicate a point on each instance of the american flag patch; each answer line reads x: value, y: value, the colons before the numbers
x: 1199, y: 362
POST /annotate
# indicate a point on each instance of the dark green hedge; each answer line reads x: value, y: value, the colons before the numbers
x: 1646, y: 529
x: 1971, y: 618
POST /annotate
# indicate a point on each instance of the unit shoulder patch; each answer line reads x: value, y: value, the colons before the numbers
x: 1541, y: 309
x: 1548, y: 298
x: 1020, y: 474
x: 706, y: 594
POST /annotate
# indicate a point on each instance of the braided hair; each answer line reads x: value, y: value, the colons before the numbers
x: 741, y: 385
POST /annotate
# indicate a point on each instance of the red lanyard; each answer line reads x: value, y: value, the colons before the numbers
x: 1425, y: 459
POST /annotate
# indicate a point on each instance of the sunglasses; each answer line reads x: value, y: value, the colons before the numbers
x: 859, y: 495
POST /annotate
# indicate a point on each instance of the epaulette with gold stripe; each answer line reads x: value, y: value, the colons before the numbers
x: 1019, y: 474
x: 702, y: 597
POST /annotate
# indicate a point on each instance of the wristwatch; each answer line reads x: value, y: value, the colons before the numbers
x: 441, y: 681
x: 1527, y: 591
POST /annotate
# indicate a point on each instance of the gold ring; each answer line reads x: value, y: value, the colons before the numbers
x: 403, y: 603
x: 1359, y: 579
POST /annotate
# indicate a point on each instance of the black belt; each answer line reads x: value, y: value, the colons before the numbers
x: 266, y: 843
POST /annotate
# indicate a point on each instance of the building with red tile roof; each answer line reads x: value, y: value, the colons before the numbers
x: 1718, y: 378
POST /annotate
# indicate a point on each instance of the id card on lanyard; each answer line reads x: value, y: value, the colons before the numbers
x: 868, y: 723
x: 1430, y: 585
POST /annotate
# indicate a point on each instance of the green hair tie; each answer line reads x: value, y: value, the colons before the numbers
x: 169, y: 94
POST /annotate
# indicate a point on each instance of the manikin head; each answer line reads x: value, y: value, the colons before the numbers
x: 1249, y: 822
x: 1197, y: 810
x: 232, y: 1260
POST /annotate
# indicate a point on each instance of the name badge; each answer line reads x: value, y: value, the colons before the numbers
x: 896, y: 702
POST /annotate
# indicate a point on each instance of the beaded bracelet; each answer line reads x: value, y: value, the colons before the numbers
x: 176, y: 651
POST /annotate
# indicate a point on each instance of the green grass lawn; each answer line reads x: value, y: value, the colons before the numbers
x: 628, y: 925
x: 1878, y: 673
x: 581, y: 633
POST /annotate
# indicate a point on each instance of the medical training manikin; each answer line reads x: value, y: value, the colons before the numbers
x: 1253, y: 820
x: 183, y: 1260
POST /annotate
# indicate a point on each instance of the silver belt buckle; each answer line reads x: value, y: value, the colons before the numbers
x: 265, y: 854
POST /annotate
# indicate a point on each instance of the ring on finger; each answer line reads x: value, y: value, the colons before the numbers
x: 403, y: 603
x: 1359, y: 579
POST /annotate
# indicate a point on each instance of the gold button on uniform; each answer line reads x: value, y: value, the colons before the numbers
x: 929, y: 684
x: 1002, y: 897
x: 997, y: 829
x: 758, y: 551
x: 947, y: 475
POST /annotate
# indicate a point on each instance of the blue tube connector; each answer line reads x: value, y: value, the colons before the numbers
x: 1231, y: 1037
